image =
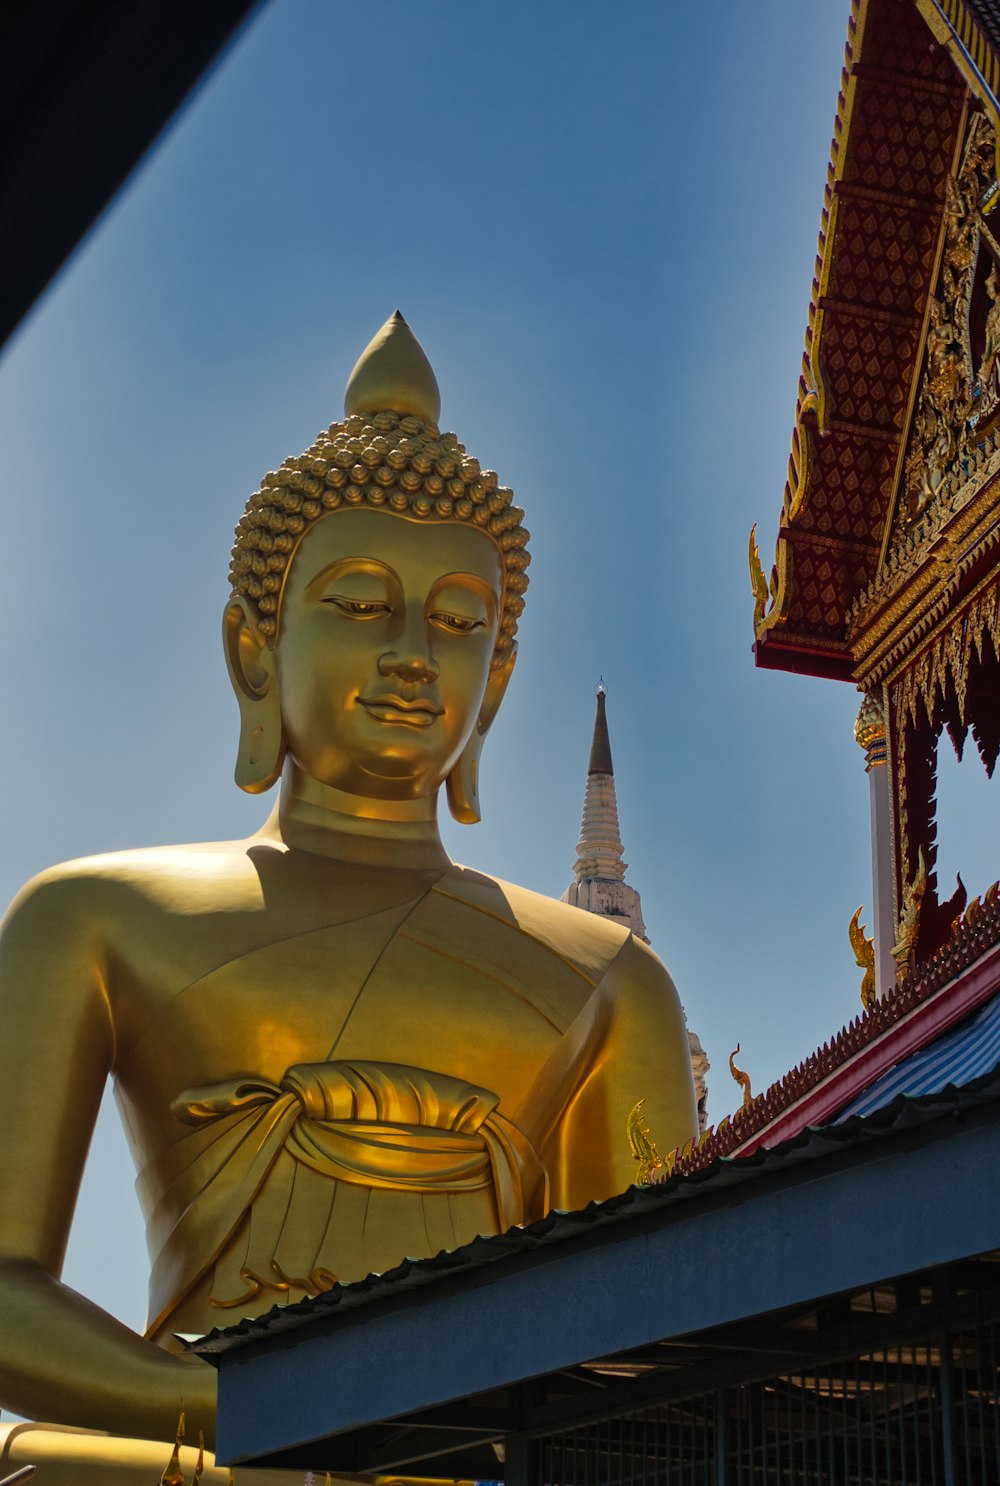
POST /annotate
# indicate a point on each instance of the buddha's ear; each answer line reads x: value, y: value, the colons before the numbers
x: 463, y: 781
x: 250, y: 661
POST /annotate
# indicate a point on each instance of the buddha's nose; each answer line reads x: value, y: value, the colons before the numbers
x: 411, y: 667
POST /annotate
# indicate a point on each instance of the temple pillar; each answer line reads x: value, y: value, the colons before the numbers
x: 869, y: 733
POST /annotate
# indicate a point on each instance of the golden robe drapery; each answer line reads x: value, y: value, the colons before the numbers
x: 256, y: 1182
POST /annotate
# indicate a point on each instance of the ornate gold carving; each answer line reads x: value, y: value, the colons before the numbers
x: 904, y: 950
x: 864, y: 954
x: 869, y: 733
x: 643, y: 1148
x: 947, y: 660
x: 988, y: 375
x: 913, y: 545
x: 931, y: 601
x: 743, y: 1079
x: 951, y: 402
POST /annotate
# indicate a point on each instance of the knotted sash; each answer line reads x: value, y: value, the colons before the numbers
x: 274, y: 1153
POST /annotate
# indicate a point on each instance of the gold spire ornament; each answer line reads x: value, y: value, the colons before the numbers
x: 864, y: 954
x: 174, y: 1475
x: 743, y: 1079
x: 642, y: 1147
x: 199, y: 1469
x: 393, y: 375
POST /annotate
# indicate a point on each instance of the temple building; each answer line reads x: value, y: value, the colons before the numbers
x: 599, y: 884
x: 810, y: 1292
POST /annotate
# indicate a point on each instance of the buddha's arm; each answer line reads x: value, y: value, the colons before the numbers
x: 63, y: 1359
x: 634, y: 1046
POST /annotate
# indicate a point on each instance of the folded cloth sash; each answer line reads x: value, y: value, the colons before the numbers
x: 251, y: 1191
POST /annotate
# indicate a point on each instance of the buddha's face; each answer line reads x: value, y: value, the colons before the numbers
x: 386, y: 631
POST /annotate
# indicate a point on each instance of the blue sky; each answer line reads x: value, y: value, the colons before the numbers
x: 601, y: 222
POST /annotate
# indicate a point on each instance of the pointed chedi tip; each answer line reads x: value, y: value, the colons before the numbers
x: 600, y: 747
x: 393, y: 374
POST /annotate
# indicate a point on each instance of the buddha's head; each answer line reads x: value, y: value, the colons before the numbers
x: 377, y: 584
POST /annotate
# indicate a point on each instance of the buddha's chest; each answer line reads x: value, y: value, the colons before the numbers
x: 421, y: 987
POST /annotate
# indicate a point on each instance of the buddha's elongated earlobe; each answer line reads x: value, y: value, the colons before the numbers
x: 463, y: 781
x: 251, y: 670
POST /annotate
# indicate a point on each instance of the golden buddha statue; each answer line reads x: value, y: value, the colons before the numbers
x: 331, y: 1046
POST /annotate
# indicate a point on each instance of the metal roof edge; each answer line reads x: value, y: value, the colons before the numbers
x: 904, y: 1116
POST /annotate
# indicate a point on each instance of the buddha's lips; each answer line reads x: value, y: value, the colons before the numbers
x: 419, y: 713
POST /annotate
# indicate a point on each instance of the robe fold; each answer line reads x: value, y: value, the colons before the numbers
x: 256, y: 1185
x: 389, y: 1107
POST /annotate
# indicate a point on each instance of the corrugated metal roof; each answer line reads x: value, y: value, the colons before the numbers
x: 970, y: 1051
x: 813, y: 1143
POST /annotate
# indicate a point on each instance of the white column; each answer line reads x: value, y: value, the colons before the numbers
x: 869, y: 733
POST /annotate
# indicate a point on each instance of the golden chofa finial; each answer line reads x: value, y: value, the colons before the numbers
x: 743, y: 1079
x: 393, y: 375
x: 864, y: 954
x: 642, y: 1147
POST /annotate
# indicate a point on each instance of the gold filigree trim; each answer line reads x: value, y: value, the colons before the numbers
x: 912, y: 543
x: 884, y: 640
x: 945, y: 664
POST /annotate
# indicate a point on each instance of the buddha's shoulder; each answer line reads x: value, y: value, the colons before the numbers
x: 137, y: 882
x: 589, y: 943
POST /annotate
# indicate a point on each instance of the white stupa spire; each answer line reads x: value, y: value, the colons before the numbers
x: 599, y: 870
x: 599, y: 883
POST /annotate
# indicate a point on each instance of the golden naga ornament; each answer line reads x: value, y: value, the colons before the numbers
x: 332, y: 1047
x: 642, y: 1146
x: 864, y: 955
x: 905, y: 949
x: 743, y: 1079
x: 758, y: 582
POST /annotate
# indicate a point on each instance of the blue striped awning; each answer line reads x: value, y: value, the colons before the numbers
x: 966, y: 1052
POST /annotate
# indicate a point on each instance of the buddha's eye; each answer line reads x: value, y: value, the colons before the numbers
x: 358, y: 608
x: 456, y: 624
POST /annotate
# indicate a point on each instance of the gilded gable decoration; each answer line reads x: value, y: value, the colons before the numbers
x: 960, y: 391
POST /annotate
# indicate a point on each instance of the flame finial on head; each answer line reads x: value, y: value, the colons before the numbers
x: 393, y: 375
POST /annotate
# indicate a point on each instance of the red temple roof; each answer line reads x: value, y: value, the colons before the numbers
x: 898, y: 124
